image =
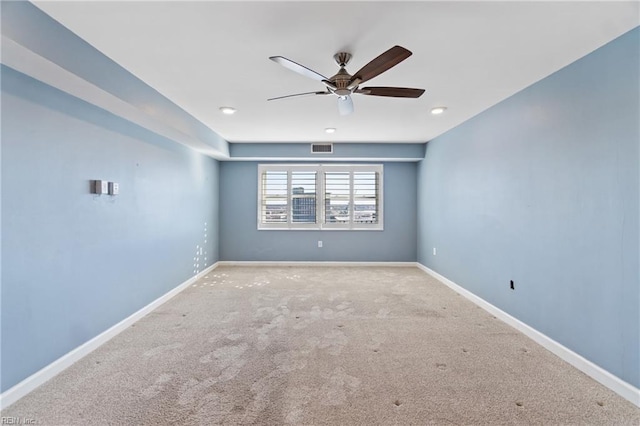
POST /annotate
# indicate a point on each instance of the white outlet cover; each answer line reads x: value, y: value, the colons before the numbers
x: 114, y: 188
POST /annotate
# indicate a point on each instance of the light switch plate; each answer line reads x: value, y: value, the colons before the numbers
x: 100, y: 187
x: 114, y: 188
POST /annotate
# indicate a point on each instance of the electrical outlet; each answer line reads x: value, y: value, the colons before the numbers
x: 434, y: 251
x: 114, y: 188
x: 319, y: 244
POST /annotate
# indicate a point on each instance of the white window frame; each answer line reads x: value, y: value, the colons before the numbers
x: 320, y: 170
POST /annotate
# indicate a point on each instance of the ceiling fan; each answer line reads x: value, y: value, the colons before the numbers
x: 343, y: 84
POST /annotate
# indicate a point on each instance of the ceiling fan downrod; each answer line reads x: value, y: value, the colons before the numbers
x: 342, y: 58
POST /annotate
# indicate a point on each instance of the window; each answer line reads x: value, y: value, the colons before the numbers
x: 320, y: 196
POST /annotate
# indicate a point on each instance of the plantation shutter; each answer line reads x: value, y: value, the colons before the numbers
x: 365, y: 197
x: 337, y: 197
x: 303, y: 197
x: 275, y: 206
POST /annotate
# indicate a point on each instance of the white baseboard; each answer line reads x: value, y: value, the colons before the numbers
x: 38, y: 378
x: 619, y: 386
x: 311, y: 263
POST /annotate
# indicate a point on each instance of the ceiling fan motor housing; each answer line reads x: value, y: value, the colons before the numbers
x: 341, y: 80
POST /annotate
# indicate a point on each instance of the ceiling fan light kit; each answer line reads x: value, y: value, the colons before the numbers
x: 343, y: 84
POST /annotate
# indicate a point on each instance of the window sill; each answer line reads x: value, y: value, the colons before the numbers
x: 331, y: 229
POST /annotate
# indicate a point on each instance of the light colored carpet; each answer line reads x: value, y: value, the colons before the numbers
x: 321, y: 346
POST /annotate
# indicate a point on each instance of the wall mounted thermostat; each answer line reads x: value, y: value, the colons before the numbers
x: 114, y: 188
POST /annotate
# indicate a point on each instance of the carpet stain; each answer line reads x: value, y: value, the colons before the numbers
x: 262, y: 390
x: 313, y: 343
x: 337, y: 295
x: 232, y: 371
x: 303, y: 297
x: 345, y: 313
x: 426, y: 313
x: 338, y: 387
x: 376, y: 341
x: 383, y: 313
x: 214, y: 338
x: 265, y: 311
x: 276, y: 322
x: 157, y: 387
x: 161, y: 349
x: 226, y: 355
x: 400, y: 290
x: 296, y: 399
x: 290, y: 361
x: 233, y: 336
x: 334, y: 342
x: 231, y: 316
x: 314, y: 315
x: 328, y: 314
x: 194, y: 390
x: 227, y: 359
x: 215, y: 409
x: 343, y: 305
x: 441, y: 366
x: 397, y: 403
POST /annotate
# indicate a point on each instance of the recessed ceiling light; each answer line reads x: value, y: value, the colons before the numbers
x: 438, y: 110
x: 330, y: 130
x: 227, y: 110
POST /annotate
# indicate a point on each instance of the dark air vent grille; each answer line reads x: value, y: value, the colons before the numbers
x: 321, y: 148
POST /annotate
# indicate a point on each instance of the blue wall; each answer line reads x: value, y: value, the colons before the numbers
x: 543, y: 189
x: 73, y: 263
x: 241, y: 240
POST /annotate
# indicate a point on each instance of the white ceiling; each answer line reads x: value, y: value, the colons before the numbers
x: 467, y: 55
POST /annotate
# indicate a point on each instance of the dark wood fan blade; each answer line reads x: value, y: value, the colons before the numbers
x: 382, y: 63
x: 300, y: 94
x: 296, y: 67
x: 394, y: 92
